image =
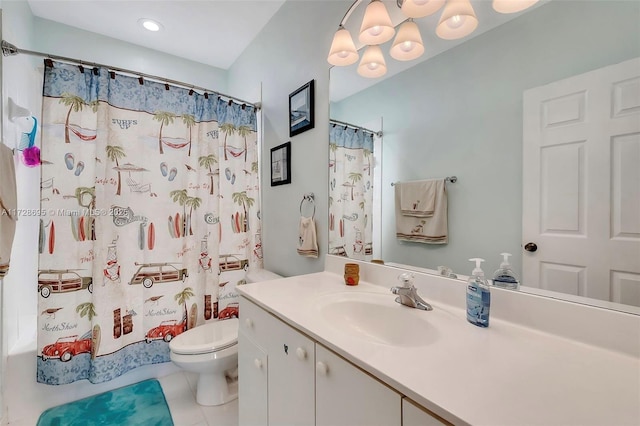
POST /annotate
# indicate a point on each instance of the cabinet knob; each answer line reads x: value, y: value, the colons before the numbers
x: 322, y: 369
x: 258, y: 363
x: 249, y: 322
x: 301, y: 354
x: 531, y: 247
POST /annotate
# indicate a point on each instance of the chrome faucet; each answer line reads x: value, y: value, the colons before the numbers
x: 408, y: 294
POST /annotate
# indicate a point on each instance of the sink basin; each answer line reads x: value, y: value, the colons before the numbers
x: 376, y: 317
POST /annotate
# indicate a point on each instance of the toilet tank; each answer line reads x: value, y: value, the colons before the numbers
x: 258, y: 275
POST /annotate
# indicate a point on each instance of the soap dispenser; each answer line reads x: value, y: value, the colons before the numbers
x: 478, y: 296
x: 504, y: 277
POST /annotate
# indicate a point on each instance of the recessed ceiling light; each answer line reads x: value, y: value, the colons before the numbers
x: 150, y: 24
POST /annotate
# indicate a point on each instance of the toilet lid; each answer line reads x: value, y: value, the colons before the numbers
x: 209, y: 337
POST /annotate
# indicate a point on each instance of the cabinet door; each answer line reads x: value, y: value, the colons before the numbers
x: 291, y: 377
x: 414, y: 415
x: 252, y: 382
x: 347, y: 396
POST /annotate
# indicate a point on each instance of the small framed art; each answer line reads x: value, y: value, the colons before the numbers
x: 301, y: 109
x: 281, y: 164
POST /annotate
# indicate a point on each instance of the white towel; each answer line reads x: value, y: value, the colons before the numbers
x: 428, y: 230
x: 418, y: 198
x: 307, y: 238
x: 8, y: 204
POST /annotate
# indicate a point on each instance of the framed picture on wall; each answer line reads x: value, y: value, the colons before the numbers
x: 281, y: 164
x: 301, y: 109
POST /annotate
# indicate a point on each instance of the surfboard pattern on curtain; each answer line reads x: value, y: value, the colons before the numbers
x: 150, y: 219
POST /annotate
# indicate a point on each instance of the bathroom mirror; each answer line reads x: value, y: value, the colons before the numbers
x: 461, y: 113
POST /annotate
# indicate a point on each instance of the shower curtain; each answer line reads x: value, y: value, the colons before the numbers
x: 350, y: 191
x: 149, y: 219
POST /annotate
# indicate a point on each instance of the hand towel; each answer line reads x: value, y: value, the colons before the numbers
x: 428, y: 230
x: 418, y: 198
x: 307, y: 239
x: 8, y: 204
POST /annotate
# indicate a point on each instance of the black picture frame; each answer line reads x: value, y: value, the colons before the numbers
x: 281, y: 164
x: 301, y: 109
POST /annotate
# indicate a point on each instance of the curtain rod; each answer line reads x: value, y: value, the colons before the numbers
x: 353, y: 126
x: 9, y: 49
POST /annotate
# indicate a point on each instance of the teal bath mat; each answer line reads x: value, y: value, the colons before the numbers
x: 140, y: 404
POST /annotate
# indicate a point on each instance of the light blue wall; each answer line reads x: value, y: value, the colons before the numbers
x: 460, y: 113
x: 291, y: 50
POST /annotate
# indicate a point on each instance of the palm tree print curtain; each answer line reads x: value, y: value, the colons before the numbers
x: 350, y: 191
x: 150, y: 219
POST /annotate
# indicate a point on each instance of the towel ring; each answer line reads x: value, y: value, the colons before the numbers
x: 310, y: 198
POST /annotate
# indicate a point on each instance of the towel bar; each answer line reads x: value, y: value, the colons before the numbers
x: 452, y: 179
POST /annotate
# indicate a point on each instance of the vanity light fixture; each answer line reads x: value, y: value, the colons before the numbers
x: 408, y: 43
x: 512, y: 6
x: 150, y: 24
x: 343, y: 51
x: 372, y: 64
x: 458, y: 20
x: 420, y: 8
x: 376, y: 25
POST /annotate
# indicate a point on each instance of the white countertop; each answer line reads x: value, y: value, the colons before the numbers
x: 502, y: 375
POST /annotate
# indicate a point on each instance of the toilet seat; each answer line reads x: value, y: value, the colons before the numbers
x: 207, y: 338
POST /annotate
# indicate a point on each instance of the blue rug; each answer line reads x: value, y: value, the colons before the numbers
x: 138, y: 404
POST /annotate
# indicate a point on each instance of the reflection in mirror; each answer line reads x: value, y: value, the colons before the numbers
x: 354, y: 190
x: 461, y: 113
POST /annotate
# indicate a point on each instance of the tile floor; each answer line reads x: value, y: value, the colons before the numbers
x: 180, y: 391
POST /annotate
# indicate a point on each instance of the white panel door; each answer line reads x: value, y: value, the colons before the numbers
x: 252, y: 382
x: 581, y: 185
x: 347, y: 396
x: 291, y: 376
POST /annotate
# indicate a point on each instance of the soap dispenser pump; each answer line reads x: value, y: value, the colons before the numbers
x: 478, y: 296
x: 504, y: 277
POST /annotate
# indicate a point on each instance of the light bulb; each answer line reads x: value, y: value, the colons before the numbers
x: 421, y: 2
x: 375, y: 31
x: 407, y: 46
x: 455, y: 21
x: 343, y: 54
x: 373, y: 66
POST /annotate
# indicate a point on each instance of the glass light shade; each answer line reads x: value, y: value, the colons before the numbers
x: 421, y: 8
x: 376, y: 25
x: 372, y: 64
x: 512, y: 6
x: 408, y: 43
x: 458, y: 20
x: 343, y: 51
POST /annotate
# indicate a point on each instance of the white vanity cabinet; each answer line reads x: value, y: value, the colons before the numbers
x: 288, y: 396
x: 414, y: 415
x: 287, y: 378
x: 347, y: 396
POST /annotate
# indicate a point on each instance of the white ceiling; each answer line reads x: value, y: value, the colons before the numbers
x: 213, y: 32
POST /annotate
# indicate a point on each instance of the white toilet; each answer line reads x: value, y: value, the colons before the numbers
x: 211, y: 350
